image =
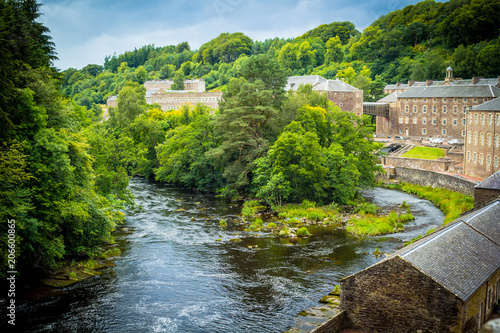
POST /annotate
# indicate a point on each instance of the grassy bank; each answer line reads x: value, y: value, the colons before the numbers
x: 451, y: 203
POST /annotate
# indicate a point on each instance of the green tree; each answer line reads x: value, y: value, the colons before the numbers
x: 178, y: 81
x: 141, y: 74
x: 334, y: 52
x: 167, y: 71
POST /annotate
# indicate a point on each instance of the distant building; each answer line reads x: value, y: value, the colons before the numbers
x: 159, y: 92
x: 482, y: 144
x: 447, y: 281
x: 347, y: 97
x: 112, y: 101
x: 197, y: 85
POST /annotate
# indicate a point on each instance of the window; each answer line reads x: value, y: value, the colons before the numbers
x: 469, y: 137
x: 425, y: 100
x: 407, y: 120
x: 454, y: 122
x: 454, y: 100
x: 414, y: 109
x: 414, y: 99
x: 474, y: 158
x: 498, y: 120
x: 424, y: 131
x: 475, y: 100
x: 401, y: 120
x: 463, y: 121
x: 496, y: 161
x: 424, y: 121
x: 400, y: 131
x: 465, y: 109
x: 444, y: 100
x: 444, y: 108
x: 433, y: 121
x: 444, y: 132
x: 444, y: 121
x: 488, y: 160
x: 475, y: 138
x: 424, y: 109
x: 434, y: 100
x: 497, y: 140
x: 475, y: 118
x: 463, y: 133
x: 481, y: 159
x: 406, y: 108
x: 468, y: 156
x: 414, y: 120
x: 465, y: 99
x: 433, y: 109
x: 455, y: 109
x: 489, y: 140
x: 407, y: 100
x: 482, y: 119
x: 482, y: 139
x: 490, y: 119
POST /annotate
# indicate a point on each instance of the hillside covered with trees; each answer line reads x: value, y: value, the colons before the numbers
x: 65, y: 172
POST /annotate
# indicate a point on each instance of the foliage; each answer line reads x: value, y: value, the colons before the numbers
x: 225, y: 48
x: 303, y: 232
x: 373, y: 225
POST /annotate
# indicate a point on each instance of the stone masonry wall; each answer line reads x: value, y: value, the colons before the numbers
x: 393, y: 296
x: 336, y: 324
x: 483, y: 195
x: 435, y: 179
x: 416, y: 163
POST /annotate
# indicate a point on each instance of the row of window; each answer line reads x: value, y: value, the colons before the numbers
x: 474, y: 159
x: 424, y: 131
x: 479, y: 138
x: 184, y: 99
x: 434, y: 109
x: 482, y: 119
x: 455, y: 100
x: 406, y: 120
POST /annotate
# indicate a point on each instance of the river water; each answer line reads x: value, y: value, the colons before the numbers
x: 180, y: 272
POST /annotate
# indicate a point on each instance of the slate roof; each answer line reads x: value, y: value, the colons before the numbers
x: 456, y: 82
x: 462, y: 255
x: 334, y: 85
x: 492, y: 182
x: 493, y: 105
x: 390, y: 98
x: 113, y: 98
x: 295, y: 81
x: 451, y: 91
x: 151, y: 91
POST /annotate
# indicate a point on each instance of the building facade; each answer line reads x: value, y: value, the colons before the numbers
x: 194, y: 85
x: 174, y: 100
x: 482, y: 144
x: 347, y: 97
x: 447, y: 281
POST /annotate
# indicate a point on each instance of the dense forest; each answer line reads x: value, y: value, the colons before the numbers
x: 65, y: 172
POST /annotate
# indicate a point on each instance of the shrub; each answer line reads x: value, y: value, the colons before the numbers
x: 271, y: 225
x: 257, y: 224
x: 284, y: 232
x: 367, y: 208
x: 303, y: 232
x: 249, y: 207
x: 222, y: 223
x: 308, y: 204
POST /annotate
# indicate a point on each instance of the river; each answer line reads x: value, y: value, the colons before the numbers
x: 180, y: 272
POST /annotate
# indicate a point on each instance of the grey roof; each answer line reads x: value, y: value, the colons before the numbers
x: 492, y: 182
x: 151, y: 91
x: 463, y: 254
x: 295, y: 81
x: 113, y: 98
x: 451, y: 91
x: 334, y: 85
x: 493, y: 105
x: 455, y: 82
x: 390, y: 98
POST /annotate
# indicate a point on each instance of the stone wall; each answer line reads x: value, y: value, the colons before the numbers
x: 393, y: 296
x: 351, y: 101
x: 483, y: 195
x: 336, y: 324
x: 416, y: 163
x: 435, y: 179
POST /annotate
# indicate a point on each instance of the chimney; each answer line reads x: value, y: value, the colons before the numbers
x: 428, y: 82
x: 410, y: 83
x: 398, y: 84
x: 475, y: 79
x: 498, y: 82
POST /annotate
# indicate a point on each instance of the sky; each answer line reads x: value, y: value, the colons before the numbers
x: 86, y: 31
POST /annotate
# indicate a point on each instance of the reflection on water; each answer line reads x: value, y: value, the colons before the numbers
x: 174, y: 274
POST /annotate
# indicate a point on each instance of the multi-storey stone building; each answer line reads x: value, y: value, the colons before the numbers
x: 437, y: 111
x: 194, y: 85
x: 347, y: 97
x: 175, y: 99
x: 482, y: 144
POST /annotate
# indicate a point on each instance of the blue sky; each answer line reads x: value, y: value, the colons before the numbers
x: 85, y: 31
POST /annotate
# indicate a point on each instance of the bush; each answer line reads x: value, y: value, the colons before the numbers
x: 284, y: 232
x: 257, y: 224
x: 303, y: 232
x: 222, y: 223
x: 308, y: 204
x: 249, y: 208
x: 271, y: 225
x: 367, y: 208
